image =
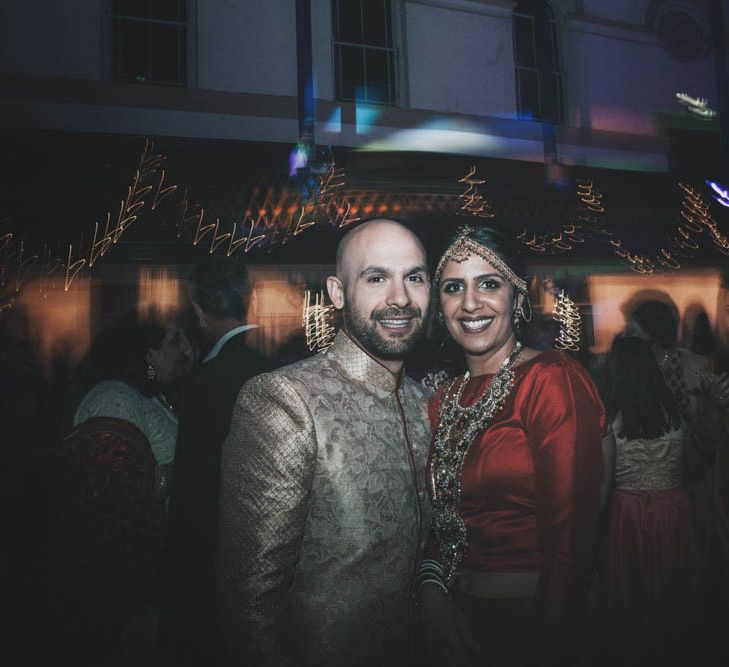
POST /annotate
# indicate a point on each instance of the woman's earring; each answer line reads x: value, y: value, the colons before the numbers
x: 526, y: 307
x: 151, y: 372
x: 518, y: 314
x: 441, y: 318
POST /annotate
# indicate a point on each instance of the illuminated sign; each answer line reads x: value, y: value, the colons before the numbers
x: 722, y: 194
x: 698, y: 106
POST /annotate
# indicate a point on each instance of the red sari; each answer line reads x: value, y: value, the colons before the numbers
x: 530, y: 500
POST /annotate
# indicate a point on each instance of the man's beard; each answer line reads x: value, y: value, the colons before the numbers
x: 364, y: 331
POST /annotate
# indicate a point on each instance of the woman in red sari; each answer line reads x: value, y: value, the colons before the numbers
x: 515, y: 475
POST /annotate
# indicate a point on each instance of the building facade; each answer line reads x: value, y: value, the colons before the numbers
x: 454, y: 76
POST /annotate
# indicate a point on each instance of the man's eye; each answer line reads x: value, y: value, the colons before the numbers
x: 416, y: 279
x: 375, y: 279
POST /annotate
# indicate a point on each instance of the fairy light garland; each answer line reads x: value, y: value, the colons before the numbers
x: 570, y: 328
x: 316, y: 320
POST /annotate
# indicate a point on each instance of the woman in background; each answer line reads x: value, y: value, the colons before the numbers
x: 112, y: 481
x: 651, y: 579
x: 127, y: 371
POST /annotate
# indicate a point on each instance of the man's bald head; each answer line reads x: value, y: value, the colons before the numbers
x: 356, y: 239
x: 382, y: 288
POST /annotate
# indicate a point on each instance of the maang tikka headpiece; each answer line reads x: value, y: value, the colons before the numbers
x: 464, y: 246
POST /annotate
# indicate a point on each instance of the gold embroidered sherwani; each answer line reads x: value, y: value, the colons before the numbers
x: 323, y: 513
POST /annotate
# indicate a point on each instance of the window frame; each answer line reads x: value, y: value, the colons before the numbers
x: 557, y: 74
x: 394, y: 75
x: 189, y: 59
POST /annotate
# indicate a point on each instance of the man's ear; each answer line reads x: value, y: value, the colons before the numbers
x: 336, y: 291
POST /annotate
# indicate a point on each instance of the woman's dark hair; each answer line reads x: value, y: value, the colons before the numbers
x: 635, y: 389
x: 702, y: 337
x: 450, y: 355
x: 658, y: 320
x: 118, y: 352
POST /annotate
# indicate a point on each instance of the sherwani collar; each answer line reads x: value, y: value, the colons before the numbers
x: 360, y: 366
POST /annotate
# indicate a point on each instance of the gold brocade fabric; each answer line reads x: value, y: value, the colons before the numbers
x: 323, y: 513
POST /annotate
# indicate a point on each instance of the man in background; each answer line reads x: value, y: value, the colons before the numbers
x: 221, y: 294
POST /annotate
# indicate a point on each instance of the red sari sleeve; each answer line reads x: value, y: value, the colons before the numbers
x: 565, y: 423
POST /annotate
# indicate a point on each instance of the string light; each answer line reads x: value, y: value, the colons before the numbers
x: 144, y: 183
x: 695, y: 220
x: 570, y: 329
x: 472, y: 201
x: 277, y: 214
x: 588, y: 220
x: 316, y: 321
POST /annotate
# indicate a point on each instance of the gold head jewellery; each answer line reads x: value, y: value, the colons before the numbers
x: 458, y: 426
x: 464, y: 246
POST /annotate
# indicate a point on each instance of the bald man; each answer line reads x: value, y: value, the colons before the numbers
x: 323, y: 493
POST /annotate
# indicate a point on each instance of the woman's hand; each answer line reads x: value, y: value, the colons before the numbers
x: 447, y: 633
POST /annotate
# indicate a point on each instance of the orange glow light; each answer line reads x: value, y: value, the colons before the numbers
x: 159, y: 289
x: 609, y: 293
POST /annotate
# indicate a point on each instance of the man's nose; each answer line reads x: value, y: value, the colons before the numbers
x: 398, y: 295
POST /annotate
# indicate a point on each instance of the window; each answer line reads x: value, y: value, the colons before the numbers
x: 149, y: 41
x: 681, y: 35
x: 539, y: 77
x: 364, y: 55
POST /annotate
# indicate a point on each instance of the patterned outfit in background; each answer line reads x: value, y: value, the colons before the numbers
x: 652, y: 567
x: 158, y: 426
x: 682, y: 369
x: 114, y: 398
x: 323, y: 504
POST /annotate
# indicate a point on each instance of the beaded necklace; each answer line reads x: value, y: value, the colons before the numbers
x: 458, y: 426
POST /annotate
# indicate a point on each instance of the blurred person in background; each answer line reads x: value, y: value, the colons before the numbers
x: 31, y: 422
x: 696, y: 331
x: 111, y: 478
x: 714, y: 432
x: 128, y: 372
x: 656, y: 321
x: 651, y: 579
x: 222, y: 298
